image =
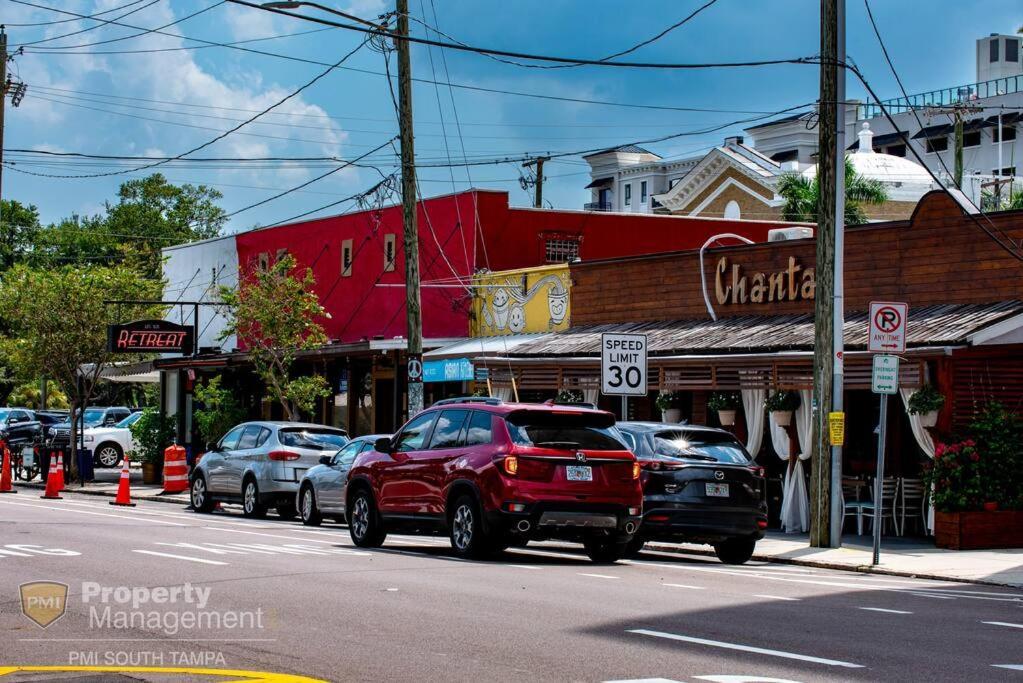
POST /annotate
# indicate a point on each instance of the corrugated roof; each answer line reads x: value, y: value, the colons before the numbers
x: 947, y: 324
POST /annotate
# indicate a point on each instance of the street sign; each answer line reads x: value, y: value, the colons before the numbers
x: 150, y: 336
x: 887, y: 327
x: 885, y: 377
x: 623, y: 370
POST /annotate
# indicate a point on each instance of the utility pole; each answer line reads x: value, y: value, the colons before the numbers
x: 958, y: 112
x: 408, y: 203
x: 538, y: 183
x: 3, y: 97
x: 829, y: 314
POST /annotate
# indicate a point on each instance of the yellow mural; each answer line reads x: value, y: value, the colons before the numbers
x: 521, y: 301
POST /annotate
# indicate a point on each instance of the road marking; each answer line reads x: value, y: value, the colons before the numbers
x: 522, y: 566
x: 598, y: 576
x: 682, y: 585
x: 886, y: 611
x: 87, y: 512
x: 1002, y: 623
x: 179, y: 557
x: 776, y: 597
x: 1013, y: 667
x: 931, y: 595
x: 337, y: 546
x: 745, y: 648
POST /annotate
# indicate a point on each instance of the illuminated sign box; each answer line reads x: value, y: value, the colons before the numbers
x: 451, y: 370
x: 151, y: 336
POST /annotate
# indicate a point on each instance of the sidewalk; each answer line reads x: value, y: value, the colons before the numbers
x: 899, y: 557
x: 106, y: 485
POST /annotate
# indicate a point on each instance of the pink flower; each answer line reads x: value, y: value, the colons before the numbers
x: 975, y: 457
x: 969, y: 442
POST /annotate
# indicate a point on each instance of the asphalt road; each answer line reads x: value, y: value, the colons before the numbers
x: 305, y: 601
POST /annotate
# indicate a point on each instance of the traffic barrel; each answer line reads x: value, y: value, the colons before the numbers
x: 124, y: 487
x: 175, y: 470
x: 5, y: 471
x: 52, y: 483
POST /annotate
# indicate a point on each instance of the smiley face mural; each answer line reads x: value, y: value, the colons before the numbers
x: 521, y: 301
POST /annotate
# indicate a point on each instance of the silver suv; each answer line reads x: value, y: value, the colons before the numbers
x: 260, y: 464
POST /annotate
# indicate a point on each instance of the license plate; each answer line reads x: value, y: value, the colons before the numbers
x: 28, y: 456
x: 717, y: 490
x: 579, y: 473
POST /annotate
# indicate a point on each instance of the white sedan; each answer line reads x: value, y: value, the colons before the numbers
x: 109, y: 444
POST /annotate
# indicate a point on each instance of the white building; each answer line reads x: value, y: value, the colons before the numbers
x: 195, y: 271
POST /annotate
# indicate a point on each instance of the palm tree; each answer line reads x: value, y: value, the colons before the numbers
x: 802, y: 196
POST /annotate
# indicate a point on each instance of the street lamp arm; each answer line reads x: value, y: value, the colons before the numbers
x: 276, y: 7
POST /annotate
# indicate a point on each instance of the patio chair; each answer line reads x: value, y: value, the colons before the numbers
x: 889, y: 494
x: 852, y: 508
x: 912, y: 494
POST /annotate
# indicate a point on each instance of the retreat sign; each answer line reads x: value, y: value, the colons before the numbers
x: 150, y: 336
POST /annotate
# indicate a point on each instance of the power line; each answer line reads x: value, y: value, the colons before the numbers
x: 88, y: 28
x: 65, y: 21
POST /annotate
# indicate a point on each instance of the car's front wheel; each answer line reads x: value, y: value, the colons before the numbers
x: 364, y: 525
x: 735, y: 550
x: 307, y: 504
x: 200, y: 495
x: 468, y: 537
x: 108, y: 455
x: 605, y: 550
x: 251, y: 505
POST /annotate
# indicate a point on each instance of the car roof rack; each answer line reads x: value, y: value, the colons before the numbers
x: 488, y: 400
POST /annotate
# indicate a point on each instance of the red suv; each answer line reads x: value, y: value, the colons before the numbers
x: 492, y: 474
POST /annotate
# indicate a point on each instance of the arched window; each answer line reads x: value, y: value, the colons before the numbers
x: 732, y: 210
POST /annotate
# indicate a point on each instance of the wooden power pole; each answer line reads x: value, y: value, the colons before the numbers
x: 3, y: 98
x: 411, y: 229
x: 958, y: 112
x: 538, y: 183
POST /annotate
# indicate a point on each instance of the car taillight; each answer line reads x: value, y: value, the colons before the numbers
x: 636, y: 469
x: 511, y: 465
x: 281, y: 456
x: 757, y: 470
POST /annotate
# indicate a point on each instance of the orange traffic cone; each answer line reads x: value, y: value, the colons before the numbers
x: 52, y: 484
x: 5, y: 472
x: 124, y: 487
x: 60, y: 472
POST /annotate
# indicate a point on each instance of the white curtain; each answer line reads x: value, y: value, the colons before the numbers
x: 795, y: 509
x: 779, y: 438
x: 590, y: 396
x: 504, y: 393
x: 753, y: 405
x: 923, y: 439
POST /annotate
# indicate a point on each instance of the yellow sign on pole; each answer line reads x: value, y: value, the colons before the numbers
x: 836, y: 422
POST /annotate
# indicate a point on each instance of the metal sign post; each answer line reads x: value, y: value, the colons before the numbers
x: 879, y: 479
x: 884, y: 380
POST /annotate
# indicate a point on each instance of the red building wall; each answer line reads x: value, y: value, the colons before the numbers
x: 458, y: 234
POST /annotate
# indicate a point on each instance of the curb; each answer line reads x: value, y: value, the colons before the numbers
x: 821, y: 564
x: 156, y: 498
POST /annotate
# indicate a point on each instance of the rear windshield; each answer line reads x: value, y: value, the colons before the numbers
x: 563, y: 431
x: 698, y: 446
x: 315, y: 439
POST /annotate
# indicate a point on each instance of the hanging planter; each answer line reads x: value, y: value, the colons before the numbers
x: 927, y: 403
x: 669, y: 403
x: 781, y: 405
x: 726, y: 403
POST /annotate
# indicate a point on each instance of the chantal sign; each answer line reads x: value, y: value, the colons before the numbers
x: 150, y: 336
x: 734, y: 286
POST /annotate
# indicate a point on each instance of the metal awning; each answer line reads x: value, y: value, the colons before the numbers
x: 143, y: 372
x: 939, y: 130
x: 929, y: 326
x: 600, y: 183
x: 479, y: 347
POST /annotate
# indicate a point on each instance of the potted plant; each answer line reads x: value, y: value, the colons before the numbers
x: 568, y: 397
x: 670, y: 405
x: 152, y: 432
x: 725, y: 403
x: 926, y: 402
x: 781, y: 405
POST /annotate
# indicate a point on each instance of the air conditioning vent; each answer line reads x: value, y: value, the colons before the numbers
x: 785, y: 234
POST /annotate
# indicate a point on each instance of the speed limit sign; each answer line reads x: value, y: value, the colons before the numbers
x: 623, y: 364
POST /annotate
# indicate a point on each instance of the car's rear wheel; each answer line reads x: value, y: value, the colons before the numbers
x: 468, y: 537
x: 735, y: 550
x: 200, y: 495
x: 634, y: 547
x: 307, y: 504
x: 605, y: 550
x: 108, y: 455
x: 251, y: 505
x: 364, y: 525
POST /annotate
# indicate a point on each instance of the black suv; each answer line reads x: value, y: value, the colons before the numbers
x: 18, y: 426
x: 700, y: 485
x: 60, y: 434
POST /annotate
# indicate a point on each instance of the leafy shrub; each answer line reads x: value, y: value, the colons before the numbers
x: 666, y: 400
x: 925, y: 400
x: 955, y: 477
x: 569, y: 396
x: 152, y: 432
x: 999, y: 437
x: 782, y: 401
x: 723, y: 400
x: 220, y: 410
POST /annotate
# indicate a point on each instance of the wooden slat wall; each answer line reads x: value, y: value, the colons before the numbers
x: 982, y: 375
x: 939, y: 257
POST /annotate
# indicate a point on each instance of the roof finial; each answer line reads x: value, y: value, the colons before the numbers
x: 866, y: 139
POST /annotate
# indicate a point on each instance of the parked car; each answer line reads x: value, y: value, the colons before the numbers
x: 700, y: 485
x: 490, y: 474
x: 109, y: 444
x: 321, y: 493
x: 59, y: 434
x: 260, y: 464
x: 50, y: 417
x: 18, y: 426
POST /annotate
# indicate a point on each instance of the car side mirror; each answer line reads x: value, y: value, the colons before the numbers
x: 383, y: 445
x: 326, y: 459
x: 212, y: 447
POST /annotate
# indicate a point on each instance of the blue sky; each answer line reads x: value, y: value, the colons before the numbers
x: 163, y: 103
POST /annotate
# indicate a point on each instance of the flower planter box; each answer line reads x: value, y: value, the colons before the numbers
x: 978, y: 530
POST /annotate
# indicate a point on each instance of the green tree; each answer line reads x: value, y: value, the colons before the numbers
x: 19, y: 225
x: 220, y: 410
x: 59, y: 323
x: 802, y: 196
x: 28, y: 395
x: 274, y: 315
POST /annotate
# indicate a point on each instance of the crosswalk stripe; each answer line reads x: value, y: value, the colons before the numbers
x: 179, y: 557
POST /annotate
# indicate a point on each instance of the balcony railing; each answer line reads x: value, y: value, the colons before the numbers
x: 946, y: 96
x: 598, y: 206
